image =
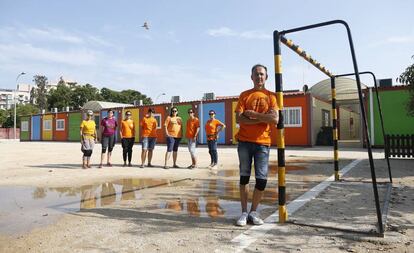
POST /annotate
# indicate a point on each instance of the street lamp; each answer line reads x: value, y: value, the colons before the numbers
x: 162, y: 94
x: 15, y: 104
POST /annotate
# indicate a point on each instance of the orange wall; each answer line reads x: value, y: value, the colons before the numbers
x: 296, y: 136
x: 60, y: 135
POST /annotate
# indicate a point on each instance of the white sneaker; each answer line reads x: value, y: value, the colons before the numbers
x: 242, y: 221
x: 255, y: 218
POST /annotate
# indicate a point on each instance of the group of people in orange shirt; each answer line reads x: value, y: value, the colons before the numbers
x: 173, y: 132
x: 256, y: 111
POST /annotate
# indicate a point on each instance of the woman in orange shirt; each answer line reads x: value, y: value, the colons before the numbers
x: 127, y: 137
x: 174, y: 132
x: 213, y: 128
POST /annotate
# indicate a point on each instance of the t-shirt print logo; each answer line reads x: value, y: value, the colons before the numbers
x: 260, y: 104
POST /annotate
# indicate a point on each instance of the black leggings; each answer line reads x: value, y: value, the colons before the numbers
x: 127, y: 144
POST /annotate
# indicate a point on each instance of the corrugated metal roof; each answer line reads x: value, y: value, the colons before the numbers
x: 346, y: 89
x: 99, y: 105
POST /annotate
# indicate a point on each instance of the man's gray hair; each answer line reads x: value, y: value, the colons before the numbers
x: 257, y: 66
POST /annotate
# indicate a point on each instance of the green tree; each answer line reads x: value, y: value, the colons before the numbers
x: 82, y: 94
x: 3, y: 117
x: 39, y: 94
x: 59, y: 97
x: 407, y: 77
x: 21, y: 110
x: 124, y: 96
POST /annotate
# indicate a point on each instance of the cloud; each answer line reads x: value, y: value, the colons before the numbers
x: 404, y: 39
x: 34, y: 35
x: 228, y: 32
x: 221, y: 32
x: 26, y: 52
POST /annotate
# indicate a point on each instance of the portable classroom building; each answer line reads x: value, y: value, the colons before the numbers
x: 25, y: 128
x: 35, y: 128
x: 60, y: 126
x: 47, y: 127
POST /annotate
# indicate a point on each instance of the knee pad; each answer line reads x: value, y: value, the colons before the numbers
x: 244, y: 180
x: 104, y: 151
x: 88, y: 153
x: 110, y: 150
x: 260, y: 184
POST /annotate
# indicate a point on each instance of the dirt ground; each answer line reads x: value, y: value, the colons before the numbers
x: 49, y: 204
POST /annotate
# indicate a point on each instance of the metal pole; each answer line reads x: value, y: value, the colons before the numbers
x: 304, y: 55
x: 15, y: 103
x: 283, y: 215
x: 335, y: 129
x: 365, y: 125
x: 361, y: 101
x: 380, y: 113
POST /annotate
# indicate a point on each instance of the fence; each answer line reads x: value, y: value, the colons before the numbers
x: 399, y: 145
x: 8, y: 133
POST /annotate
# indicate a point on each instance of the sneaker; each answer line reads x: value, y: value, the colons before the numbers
x: 242, y: 221
x: 255, y: 218
x: 141, y: 166
x: 150, y: 165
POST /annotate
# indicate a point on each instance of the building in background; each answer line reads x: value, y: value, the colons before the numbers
x: 22, y: 96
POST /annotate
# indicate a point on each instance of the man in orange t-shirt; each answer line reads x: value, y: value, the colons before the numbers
x: 193, y: 127
x: 256, y: 111
x: 149, y: 136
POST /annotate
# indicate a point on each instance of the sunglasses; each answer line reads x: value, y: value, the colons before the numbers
x: 211, y: 114
x: 128, y: 114
x: 190, y: 112
x: 174, y: 111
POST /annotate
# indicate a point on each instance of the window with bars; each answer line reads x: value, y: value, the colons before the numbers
x: 326, y: 118
x: 25, y: 126
x: 157, y: 117
x: 60, y: 125
x: 47, y: 125
x: 292, y: 116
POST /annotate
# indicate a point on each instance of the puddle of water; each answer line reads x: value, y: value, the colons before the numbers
x: 219, y: 198
x: 272, y: 170
x: 24, y: 208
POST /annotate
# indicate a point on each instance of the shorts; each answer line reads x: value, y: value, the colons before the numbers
x: 108, y: 142
x: 148, y: 142
x: 172, y: 144
x: 192, y: 147
x: 248, y: 151
x: 87, y: 144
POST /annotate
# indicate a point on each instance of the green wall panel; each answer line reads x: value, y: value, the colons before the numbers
x: 74, y: 124
x: 182, y: 112
x: 396, y: 120
x: 25, y: 135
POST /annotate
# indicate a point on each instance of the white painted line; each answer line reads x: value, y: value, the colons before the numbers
x: 248, y: 237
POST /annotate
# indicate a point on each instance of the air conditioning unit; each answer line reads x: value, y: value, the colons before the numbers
x: 55, y: 110
x: 209, y: 96
x: 385, y: 82
x: 175, y: 99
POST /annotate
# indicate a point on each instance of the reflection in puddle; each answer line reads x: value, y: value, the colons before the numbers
x: 33, y: 207
x: 220, y: 198
x: 23, y: 208
x: 272, y: 170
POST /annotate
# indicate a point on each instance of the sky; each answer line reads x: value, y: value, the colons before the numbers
x: 195, y: 47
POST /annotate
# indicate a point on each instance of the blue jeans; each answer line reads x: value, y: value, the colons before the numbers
x: 192, y: 147
x: 172, y: 144
x: 212, y: 150
x: 260, y: 153
x: 148, y: 142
